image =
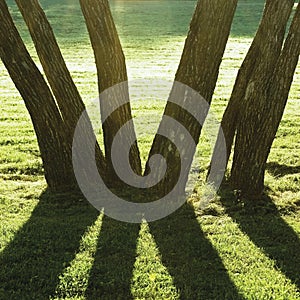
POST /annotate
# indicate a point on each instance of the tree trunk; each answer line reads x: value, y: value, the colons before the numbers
x: 112, y: 81
x: 48, y: 124
x: 198, y: 70
x: 261, y: 57
x: 265, y: 100
x: 66, y: 94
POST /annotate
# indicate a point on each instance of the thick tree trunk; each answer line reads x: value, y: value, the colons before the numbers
x: 265, y: 101
x: 111, y: 68
x: 198, y: 70
x: 48, y: 124
x: 261, y: 57
x: 66, y: 94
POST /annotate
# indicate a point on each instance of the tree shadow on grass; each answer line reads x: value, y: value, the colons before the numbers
x: 110, y: 277
x: 190, y: 258
x: 44, y: 246
x: 260, y: 220
x: 280, y: 170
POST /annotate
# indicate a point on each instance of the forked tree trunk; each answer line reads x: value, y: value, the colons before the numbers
x: 265, y: 100
x: 48, y: 124
x: 260, y: 59
x: 198, y: 70
x: 111, y: 68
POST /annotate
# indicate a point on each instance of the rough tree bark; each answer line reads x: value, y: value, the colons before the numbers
x: 261, y: 57
x: 111, y: 68
x: 66, y: 94
x: 264, y: 103
x: 48, y: 124
x: 198, y: 69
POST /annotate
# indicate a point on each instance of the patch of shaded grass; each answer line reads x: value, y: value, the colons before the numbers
x: 47, y: 240
x: 266, y: 226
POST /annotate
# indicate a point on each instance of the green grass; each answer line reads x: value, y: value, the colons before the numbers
x: 56, y: 246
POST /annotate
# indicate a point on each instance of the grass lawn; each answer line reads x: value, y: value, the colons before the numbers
x: 57, y: 246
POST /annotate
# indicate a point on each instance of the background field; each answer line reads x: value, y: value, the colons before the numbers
x: 54, y: 246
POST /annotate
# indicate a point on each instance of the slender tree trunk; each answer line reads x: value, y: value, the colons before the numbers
x: 48, y: 124
x: 198, y: 70
x: 111, y: 68
x: 265, y: 101
x: 66, y: 94
x: 261, y: 58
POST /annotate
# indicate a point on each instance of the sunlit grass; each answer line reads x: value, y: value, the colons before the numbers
x: 249, y: 266
x: 73, y: 281
x: 56, y: 246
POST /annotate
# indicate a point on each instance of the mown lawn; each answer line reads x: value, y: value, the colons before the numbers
x: 57, y: 246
